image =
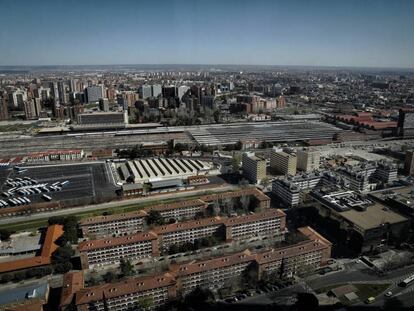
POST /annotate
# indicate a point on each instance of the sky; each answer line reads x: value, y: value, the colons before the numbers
x: 360, y: 33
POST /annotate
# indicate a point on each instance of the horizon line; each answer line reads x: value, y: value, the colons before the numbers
x: 201, y: 64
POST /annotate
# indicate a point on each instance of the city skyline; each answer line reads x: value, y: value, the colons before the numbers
x: 351, y: 34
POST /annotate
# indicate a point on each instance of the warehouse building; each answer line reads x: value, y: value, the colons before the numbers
x: 155, y: 170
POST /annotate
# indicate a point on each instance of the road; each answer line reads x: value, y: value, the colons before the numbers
x: 159, y: 197
x: 359, y: 273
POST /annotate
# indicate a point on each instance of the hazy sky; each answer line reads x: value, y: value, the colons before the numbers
x: 368, y: 33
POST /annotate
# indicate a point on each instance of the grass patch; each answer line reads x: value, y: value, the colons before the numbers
x: 15, y: 127
x: 30, y: 225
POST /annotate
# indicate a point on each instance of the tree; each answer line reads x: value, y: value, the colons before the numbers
x: 4, y: 234
x: 198, y: 297
x: 127, y: 269
x: 306, y: 302
x: 63, y: 267
x: 245, y: 202
x: 265, y: 182
x: 155, y: 217
x: 146, y: 188
x: 109, y: 277
x: 235, y: 164
x: 238, y: 145
x: 145, y: 302
x: 62, y: 254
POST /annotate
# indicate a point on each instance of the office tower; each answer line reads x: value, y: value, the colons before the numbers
x: 156, y: 90
x: 282, y: 162
x: 145, y: 91
x: 104, y: 104
x: 409, y: 163
x: 93, y: 93
x: 254, y: 168
x: 32, y: 108
x: 308, y: 159
x: 4, y: 107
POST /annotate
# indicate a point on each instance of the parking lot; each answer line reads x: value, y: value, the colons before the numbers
x: 69, y: 182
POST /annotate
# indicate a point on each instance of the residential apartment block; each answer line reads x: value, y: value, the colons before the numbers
x: 298, y: 258
x: 267, y: 223
x: 188, y: 231
x: 308, y: 159
x: 111, y: 250
x: 213, y: 273
x: 113, y: 224
x: 180, y: 210
x: 254, y: 168
x: 128, y: 294
x: 270, y: 223
x: 282, y: 162
x: 133, y: 222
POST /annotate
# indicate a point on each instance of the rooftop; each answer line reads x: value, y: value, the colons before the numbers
x: 111, y: 242
x: 134, y: 285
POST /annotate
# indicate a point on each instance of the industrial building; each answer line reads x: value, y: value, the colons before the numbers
x: 153, y: 170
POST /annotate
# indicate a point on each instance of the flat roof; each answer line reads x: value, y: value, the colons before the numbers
x: 374, y: 216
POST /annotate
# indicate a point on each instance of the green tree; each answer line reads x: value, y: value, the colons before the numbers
x: 127, y: 269
x: 155, y: 217
x: 235, y: 164
x: 4, y: 234
x: 109, y: 277
x: 145, y: 303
